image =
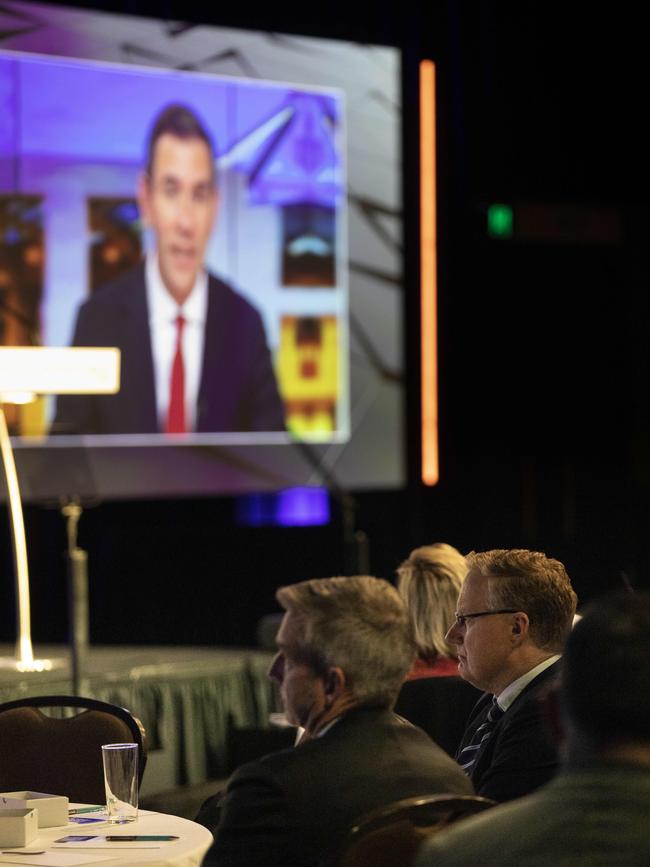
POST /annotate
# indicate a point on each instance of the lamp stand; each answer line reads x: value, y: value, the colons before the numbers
x: 77, y: 596
x: 24, y: 660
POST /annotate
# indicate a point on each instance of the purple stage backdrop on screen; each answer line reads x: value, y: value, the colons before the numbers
x: 307, y: 152
x: 80, y: 129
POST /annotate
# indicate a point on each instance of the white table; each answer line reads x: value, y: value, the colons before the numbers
x: 188, y: 851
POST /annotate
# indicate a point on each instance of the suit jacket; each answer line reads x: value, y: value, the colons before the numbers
x: 293, y: 806
x: 237, y: 391
x: 520, y: 755
x: 595, y: 815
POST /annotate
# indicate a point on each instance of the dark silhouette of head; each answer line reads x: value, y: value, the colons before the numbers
x: 605, y: 694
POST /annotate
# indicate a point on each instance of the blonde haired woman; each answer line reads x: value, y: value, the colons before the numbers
x: 429, y: 583
x: 433, y: 697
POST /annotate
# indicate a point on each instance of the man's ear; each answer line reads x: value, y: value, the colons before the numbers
x: 334, y: 682
x: 520, y: 626
x: 143, y: 195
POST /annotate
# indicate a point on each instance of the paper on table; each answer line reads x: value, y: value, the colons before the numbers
x: 100, y: 842
x: 54, y: 859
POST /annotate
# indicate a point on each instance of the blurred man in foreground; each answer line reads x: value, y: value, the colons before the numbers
x: 515, y: 609
x: 596, y: 811
x: 344, y: 647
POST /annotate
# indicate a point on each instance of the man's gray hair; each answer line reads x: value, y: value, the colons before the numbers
x: 359, y: 624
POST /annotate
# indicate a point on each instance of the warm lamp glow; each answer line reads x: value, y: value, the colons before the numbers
x: 18, y: 397
x: 58, y: 370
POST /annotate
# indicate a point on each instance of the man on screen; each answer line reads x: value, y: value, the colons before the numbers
x: 194, y: 352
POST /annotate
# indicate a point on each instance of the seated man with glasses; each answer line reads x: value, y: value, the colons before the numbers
x: 515, y: 610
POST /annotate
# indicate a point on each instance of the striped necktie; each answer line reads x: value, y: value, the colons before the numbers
x: 466, y: 758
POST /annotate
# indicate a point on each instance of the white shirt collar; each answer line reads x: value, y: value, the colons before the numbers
x: 510, y: 693
x: 300, y: 730
x: 163, y: 307
x: 162, y: 311
x: 327, y: 727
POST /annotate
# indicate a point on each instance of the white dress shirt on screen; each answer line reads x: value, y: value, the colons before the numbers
x: 163, y: 311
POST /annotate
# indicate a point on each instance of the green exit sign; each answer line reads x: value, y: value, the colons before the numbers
x: 499, y: 221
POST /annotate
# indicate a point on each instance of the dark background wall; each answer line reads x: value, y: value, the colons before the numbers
x: 545, y: 430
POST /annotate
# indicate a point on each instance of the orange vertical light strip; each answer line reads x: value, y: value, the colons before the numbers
x: 428, y: 276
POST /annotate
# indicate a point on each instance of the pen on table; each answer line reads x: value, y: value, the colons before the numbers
x: 77, y: 810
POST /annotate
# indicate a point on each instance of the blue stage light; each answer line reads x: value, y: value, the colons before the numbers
x: 293, y: 507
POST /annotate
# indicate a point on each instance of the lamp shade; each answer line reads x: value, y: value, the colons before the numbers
x: 58, y: 370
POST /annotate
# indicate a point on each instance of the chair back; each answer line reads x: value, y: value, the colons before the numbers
x: 391, y: 836
x: 62, y: 755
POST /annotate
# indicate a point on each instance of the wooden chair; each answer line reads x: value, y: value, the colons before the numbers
x: 62, y: 754
x: 391, y: 835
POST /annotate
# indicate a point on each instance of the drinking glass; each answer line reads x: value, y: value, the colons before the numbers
x: 121, y: 781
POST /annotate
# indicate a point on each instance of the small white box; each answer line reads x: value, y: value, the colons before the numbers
x: 18, y: 827
x: 52, y: 809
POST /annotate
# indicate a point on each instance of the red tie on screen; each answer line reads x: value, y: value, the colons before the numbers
x: 176, y: 412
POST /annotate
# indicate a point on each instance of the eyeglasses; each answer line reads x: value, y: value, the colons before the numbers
x: 461, y: 619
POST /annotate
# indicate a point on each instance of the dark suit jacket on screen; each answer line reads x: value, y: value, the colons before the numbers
x: 237, y: 392
x: 292, y: 806
x: 520, y: 754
